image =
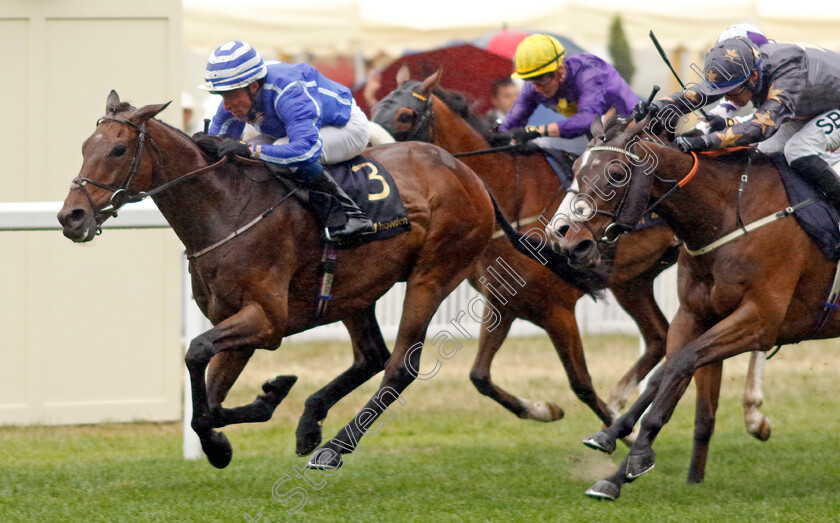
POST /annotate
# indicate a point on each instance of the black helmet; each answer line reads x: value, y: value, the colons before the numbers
x: 729, y: 64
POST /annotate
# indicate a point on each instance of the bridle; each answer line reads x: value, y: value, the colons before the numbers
x: 421, y: 130
x: 614, y: 230
x: 120, y: 195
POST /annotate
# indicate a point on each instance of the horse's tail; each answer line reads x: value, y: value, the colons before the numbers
x: 589, y: 282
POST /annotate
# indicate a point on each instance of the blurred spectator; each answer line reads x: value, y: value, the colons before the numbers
x: 505, y: 92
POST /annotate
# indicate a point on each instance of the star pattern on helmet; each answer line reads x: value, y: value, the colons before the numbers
x: 728, y: 138
x: 732, y: 55
x: 711, y: 75
x: 773, y: 94
x: 764, y: 120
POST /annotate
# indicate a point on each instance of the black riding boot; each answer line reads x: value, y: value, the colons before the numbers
x: 357, y: 221
x: 821, y: 175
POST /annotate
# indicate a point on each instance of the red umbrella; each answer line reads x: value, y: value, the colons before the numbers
x: 504, y: 42
x: 466, y: 69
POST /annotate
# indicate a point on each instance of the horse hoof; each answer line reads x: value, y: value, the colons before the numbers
x: 218, y: 449
x: 603, y: 489
x: 638, y: 464
x: 763, y: 432
x: 279, y: 387
x: 307, y: 441
x: 542, y: 411
x: 325, y: 459
x: 601, y: 441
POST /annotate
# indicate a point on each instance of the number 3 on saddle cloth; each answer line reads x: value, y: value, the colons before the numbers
x: 374, y: 191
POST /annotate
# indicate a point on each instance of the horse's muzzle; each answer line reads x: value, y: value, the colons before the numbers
x: 77, y: 224
x: 582, y: 255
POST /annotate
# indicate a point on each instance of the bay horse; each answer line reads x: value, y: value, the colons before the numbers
x: 760, y: 289
x: 527, y: 190
x: 255, y: 248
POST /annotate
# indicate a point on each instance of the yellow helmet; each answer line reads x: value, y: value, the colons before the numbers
x: 537, y: 55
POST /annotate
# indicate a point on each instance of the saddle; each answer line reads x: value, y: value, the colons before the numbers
x: 819, y: 220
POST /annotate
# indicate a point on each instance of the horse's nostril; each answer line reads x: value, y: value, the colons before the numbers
x: 562, y: 230
x: 73, y: 218
x: 584, y: 247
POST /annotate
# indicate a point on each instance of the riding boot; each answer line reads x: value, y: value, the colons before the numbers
x: 821, y: 175
x: 314, y: 177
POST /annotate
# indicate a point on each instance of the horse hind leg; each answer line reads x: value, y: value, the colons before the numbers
x: 489, y: 343
x: 244, y: 331
x: 423, y: 295
x: 757, y: 423
x: 707, y: 382
x: 369, y: 356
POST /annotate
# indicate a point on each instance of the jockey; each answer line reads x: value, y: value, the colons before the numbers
x: 581, y: 87
x: 304, y: 119
x: 723, y: 114
x: 796, y: 92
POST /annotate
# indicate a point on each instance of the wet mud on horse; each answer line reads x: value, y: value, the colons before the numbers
x: 764, y: 288
x: 260, y: 286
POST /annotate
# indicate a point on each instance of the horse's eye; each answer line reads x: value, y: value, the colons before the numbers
x: 118, y: 150
x: 405, y: 118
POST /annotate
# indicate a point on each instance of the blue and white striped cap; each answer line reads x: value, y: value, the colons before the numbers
x: 232, y: 65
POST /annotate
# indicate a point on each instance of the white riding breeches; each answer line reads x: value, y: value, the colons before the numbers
x: 800, y: 138
x: 337, y: 143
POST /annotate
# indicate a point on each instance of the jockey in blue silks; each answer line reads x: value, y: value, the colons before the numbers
x: 304, y: 119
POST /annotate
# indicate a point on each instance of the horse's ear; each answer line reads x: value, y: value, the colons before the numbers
x: 403, y: 74
x: 609, y: 116
x: 597, y: 127
x: 148, y: 111
x: 112, y: 103
x: 431, y: 83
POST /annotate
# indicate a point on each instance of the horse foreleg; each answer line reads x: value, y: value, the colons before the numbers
x: 489, y: 343
x: 637, y: 299
x: 757, y: 423
x: 707, y: 382
x: 222, y: 372
x: 743, y: 330
x: 604, y: 440
x: 369, y: 356
x: 246, y: 330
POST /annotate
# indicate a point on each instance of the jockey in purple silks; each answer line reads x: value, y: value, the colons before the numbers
x: 581, y: 87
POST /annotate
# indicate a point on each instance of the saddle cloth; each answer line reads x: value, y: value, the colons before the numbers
x: 819, y: 220
x: 374, y: 191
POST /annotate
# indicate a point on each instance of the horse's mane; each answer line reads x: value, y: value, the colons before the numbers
x: 457, y: 103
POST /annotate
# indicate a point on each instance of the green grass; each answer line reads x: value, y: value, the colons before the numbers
x: 449, y: 454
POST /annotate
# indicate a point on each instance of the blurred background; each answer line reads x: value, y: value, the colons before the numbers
x: 96, y: 333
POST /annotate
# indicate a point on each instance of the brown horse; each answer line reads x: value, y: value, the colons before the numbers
x: 742, y: 293
x: 255, y: 253
x: 528, y: 191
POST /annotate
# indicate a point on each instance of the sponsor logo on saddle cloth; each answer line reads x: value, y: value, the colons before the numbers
x: 374, y: 191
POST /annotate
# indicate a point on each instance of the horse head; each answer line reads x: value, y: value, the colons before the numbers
x: 114, y: 165
x: 406, y: 112
x: 614, y: 181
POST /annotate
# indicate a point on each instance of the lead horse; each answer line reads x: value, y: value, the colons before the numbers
x: 760, y: 289
x: 254, y: 251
